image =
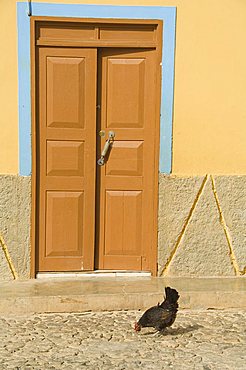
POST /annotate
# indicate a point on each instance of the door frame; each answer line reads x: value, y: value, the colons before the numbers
x: 155, y: 43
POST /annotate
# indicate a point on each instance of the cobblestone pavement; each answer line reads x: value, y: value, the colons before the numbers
x: 106, y: 340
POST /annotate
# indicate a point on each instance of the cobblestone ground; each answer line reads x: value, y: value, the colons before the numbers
x: 106, y: 340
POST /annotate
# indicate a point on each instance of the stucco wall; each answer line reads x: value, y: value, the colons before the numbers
x: 202, y: 223
x: 201, y: 226
x: 209, y: 128
x: 15, y: 221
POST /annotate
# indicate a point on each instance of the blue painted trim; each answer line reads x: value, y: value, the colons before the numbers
x: 167, y: 14
x: 24, y: 90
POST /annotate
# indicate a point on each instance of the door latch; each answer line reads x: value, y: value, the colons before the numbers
x: 101, y: 160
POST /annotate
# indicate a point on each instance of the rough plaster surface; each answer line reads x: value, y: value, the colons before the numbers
x: 231, y: 191
x: 5, y: 273
x: 203, y: 250
x: 176, y: 197
x: 15, y: 208
x: 188, y: 220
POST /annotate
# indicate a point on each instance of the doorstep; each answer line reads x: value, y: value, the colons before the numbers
x: 77, y: 294
x: 94, y: 273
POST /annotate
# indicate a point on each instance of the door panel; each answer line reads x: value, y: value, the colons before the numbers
x: 66, y: 209
x: 66, y: 158
x: 125, y: 83
x: 65, y: 106
x: 126, y: 158
x: 123, y: 222
x: 127, y: 196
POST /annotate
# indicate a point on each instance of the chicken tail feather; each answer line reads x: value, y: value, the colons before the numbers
x: 171, y: 299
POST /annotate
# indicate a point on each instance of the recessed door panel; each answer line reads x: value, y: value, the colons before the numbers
x: 65, y: 158
x: 64, y: 236
x: 125, y: 92
x: 123, y: 226
x: 126, y: 158
x: 65, y: 91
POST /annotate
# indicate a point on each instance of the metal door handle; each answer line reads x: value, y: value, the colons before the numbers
x: 101, y: 160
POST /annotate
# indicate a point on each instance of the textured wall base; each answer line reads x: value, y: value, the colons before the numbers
x: 202, y: 223
x: 15, y: 208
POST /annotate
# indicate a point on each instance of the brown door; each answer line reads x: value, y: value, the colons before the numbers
x: 127, y: 181
x: 66, y: 158
x: 122, y: 227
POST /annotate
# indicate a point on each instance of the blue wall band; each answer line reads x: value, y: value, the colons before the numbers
x: 166, y: 14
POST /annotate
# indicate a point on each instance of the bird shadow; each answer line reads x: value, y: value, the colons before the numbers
x: 181, y: 330
x: 175, y: 331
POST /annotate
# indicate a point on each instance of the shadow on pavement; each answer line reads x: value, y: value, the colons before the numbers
x: 175, y: 331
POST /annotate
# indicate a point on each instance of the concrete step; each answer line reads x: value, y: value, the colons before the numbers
x: 99, y: 293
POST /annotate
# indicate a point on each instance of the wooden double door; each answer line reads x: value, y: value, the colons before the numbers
x: 90, y: 216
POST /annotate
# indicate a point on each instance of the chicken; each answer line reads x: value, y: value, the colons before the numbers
x: 162, y: 315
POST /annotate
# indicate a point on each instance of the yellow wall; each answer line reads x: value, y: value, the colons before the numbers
x: 8, y: 88
x: 210, y: 88
x: 209, y: 128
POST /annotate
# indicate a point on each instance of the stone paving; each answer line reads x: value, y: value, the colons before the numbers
x: 106, y: 340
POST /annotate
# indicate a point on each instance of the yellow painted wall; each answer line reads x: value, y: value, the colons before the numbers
x: 8, y: 88
x: 209, y: 128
